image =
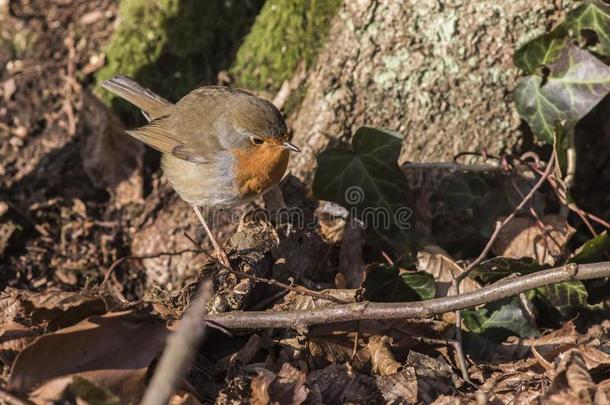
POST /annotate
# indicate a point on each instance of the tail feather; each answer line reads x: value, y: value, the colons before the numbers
x: 152, y: 105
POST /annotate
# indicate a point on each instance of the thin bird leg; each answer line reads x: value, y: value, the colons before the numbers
x: 220, y: 254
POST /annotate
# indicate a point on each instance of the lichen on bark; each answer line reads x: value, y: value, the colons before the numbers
x: 285, y: 32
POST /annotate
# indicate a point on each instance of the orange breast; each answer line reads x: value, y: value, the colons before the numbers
x: 259, y: 168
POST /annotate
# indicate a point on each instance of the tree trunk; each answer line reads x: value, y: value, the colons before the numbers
x: 440, y: 72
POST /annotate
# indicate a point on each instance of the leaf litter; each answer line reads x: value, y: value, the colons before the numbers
x: 80, y: 328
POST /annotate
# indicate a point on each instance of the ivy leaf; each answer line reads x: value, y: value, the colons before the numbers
x: 368, y: 182
x: 577, y: 82
x: 594, y: 16
x: 499, y: 320
x: 385, y: 284
x: 566, y: 297
x: 498, y: 268
x: 539, y: 52
x: 593, y: 250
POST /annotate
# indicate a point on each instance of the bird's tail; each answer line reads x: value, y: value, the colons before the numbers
x: 152, y: 105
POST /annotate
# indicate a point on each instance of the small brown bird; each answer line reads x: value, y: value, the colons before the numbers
x: 221, y: 147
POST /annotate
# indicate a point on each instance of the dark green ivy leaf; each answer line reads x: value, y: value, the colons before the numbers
x: 566, y: 297
x: 593, y: 15
x: 498, y: 268
x: 539, y: 52
x: 385, y: 284
x: 499, y: 320
x: 368, y: 182
x: 593, y: 250
x: 577, y: 82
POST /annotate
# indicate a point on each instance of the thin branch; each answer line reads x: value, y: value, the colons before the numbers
x: 421, y: 309
x: 179, y: 351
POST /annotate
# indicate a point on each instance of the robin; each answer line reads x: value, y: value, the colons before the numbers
x: 221, y: 147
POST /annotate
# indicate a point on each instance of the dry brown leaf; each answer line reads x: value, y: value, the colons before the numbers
x: 434, y: 376
x: 522, y: 237
x: 294, y: 301
x: 112, y: 159
x: 14, y: 337
x: 183, y: 398
x: 105, y: 350
x: 572, y: 382
x: 434, y: 260
x: 284, y: 388
x: 596, y: 361
x: 244, y: 356
x: 381, y: 356
x: 339, y: 384
x: 125, y: 384
x: 399, y: 388
x: 51, y: 309
x: 550, y: 345
x: 339, y: 348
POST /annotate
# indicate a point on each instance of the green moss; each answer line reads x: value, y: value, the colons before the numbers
x: 172, y: 46
x: 285, y: 32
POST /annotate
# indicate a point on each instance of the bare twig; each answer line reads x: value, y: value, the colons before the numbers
x: 367, y: 310
x: 501, y: 225
x: 179, y: 350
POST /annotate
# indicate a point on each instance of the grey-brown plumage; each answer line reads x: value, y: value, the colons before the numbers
x: 220, y: 146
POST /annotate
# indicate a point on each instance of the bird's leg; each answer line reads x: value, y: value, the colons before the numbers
x: 220, y: 254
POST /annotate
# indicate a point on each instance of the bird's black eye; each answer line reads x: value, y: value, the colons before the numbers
x: 256, y: 141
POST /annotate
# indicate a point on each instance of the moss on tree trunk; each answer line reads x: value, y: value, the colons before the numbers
x: 285, y: 32
x: 172, y: 46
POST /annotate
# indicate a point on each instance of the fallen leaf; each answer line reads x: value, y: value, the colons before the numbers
x: 14, y: 337
x: 399, y: 388
x: 381, y: 356
x: 522, y: 237
x: 434, y: 376
x: 285, y: 388
x: 434, y: 260
x: 572, y: 382
x: 339, y: 384
x: 50, y: 309
x: 106, y: 350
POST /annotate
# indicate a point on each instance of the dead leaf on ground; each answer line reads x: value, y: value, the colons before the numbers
x: 434, y: 376
x: 339, y: 384
x: 381, y: 356
x: 523, y: 237
x: 434, y: 260
x: 113, y: 351
x: 112, y: 159
x: 51, y: 309
x: 399, y: 388
x: 572, y: 382
x: 183, y: 398
x: 339, y: 348
x: 14, y: 337
x: 284, y: 388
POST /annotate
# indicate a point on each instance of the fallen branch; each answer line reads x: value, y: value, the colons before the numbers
x: 367, y: 310
x: 179, y: 350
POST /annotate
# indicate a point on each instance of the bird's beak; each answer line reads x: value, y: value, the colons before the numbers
x: 290, y: 146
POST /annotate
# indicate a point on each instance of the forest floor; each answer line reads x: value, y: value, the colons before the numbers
x: 88, y: 229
